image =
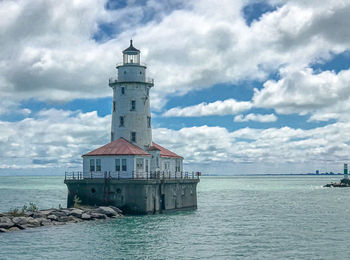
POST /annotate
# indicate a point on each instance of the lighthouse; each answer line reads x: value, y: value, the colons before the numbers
x: 131, y: 115
x: 131, y: 171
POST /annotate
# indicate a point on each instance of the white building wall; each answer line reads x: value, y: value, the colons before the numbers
x: 134, y: 120
x: 108, y: 165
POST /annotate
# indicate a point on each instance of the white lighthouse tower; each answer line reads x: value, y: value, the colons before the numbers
x: 131, y: 115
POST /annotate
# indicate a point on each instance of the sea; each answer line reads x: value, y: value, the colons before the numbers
x: 249, y: 217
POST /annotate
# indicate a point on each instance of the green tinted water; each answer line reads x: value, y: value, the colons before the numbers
x: 237, y: 218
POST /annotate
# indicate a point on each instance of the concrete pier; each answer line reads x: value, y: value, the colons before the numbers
x: 135, y: 196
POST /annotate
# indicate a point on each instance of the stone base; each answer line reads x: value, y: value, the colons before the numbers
x: 135, y: 196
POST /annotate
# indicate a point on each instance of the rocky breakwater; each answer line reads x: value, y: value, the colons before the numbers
x: 32, y: 219
x: 344, y: 183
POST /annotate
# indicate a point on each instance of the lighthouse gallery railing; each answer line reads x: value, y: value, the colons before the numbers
x: 134, y: 175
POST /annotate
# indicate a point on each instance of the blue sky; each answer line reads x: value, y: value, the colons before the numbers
x: 241, y: 87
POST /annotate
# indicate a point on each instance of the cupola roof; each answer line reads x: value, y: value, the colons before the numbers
x: 131, y: 49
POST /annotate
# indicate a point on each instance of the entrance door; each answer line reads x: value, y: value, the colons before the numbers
x: 139, y: 167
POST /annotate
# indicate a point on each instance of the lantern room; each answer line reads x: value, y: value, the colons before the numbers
x: 131, y: 55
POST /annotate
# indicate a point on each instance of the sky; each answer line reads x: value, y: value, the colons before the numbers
x: 241, y: 86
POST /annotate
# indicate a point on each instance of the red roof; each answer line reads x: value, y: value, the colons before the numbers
x: 165, y: 152
x: 120, y: 146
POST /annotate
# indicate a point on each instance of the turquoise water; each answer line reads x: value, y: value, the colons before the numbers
x: 237, y: 218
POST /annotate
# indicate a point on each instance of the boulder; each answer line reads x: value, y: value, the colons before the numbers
x: 33, y: 223
x: 21, y: 220
x: 45, y: 222
x: 108, y: 211
x: 5, y: 222
x: 73, y: 219
x: 38, y: 214
x: 3, y: 230
x: 98, y: 215
x: 52, y: 217
x: 77, y: 213
x: 118, y: 210
x: 63, y: 218
x: 13, y: 229
x: 58, y: 213
x: 85, y: 216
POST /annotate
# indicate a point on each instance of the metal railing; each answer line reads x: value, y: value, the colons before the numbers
x: 114, y: 80
x: 131, y: 64
x: 162, y: 175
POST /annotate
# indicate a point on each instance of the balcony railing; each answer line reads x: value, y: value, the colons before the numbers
x: 114, y: 80
x: 131, y: 64
x: 160, y: 175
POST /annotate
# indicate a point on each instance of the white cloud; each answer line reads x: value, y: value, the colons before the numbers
x: 325, y: 95
x: 48, y: 52
x: 226, y: 107
x: 256, y: 117
x: 56, y: 138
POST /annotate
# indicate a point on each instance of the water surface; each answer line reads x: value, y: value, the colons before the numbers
x: 268, y: 217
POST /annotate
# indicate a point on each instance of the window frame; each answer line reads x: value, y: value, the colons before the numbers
x: 92, y: 165
x: 124, y: 165
x: 98, y: 165
x: 117, y: 165
x: 133, y: 105
x: 133, y: 137
x: 121, y: 121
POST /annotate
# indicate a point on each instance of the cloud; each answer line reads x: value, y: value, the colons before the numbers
x: 57, y: 138
x: 226, y: 107
x: 48, y: 50
x: 54, y: 138
x: 256, y: 117
x: 325, y: 95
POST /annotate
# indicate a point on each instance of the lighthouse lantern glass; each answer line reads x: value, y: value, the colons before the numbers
x: 131, y: 58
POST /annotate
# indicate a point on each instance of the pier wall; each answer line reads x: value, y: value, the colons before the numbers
x: 135, y: 196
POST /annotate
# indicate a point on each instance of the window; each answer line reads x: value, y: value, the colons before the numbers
x: 117, y: 165
x: 139, y: 164
x: 157, y: 161
x: 113, y: 106
x: 123, y: 90
x: 112, y: 136
x: 149, y: 122
x: 98, y: 165
x: 177, y: 167
x: 133, y: 105
x: 121, y: 121
x: 147, y: 161
x: 92, y: 165
x: 124, y: 165
x: 133, y: 137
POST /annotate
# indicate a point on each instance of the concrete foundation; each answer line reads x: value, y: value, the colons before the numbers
x: 135, y: 196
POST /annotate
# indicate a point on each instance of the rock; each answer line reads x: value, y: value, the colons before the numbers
x: 118, y: 210
x: 21, y: 220
x: 3, y: 230
x: 38, y: 214
x: 77, y: 213
x: 14, y: 229
x: 85, y: 216
x: 107, y: 211
x: 98, y: 215
x: 73, y: 219
x: 5, y: 222
x: 33, y: 223
x: 46, y: 212
x: 66, y: 211
x: 58, y: 213
x: 29, y: 213
x: 52, y: 217
x: 45, y: 222
x: 63, y: 218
